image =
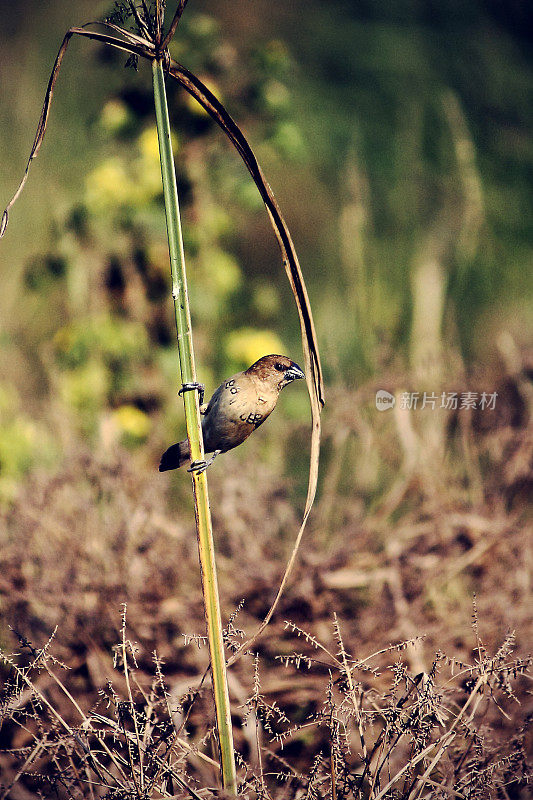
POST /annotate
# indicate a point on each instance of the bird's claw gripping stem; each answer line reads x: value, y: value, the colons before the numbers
x: 190, y: 387
x: 200, y: 466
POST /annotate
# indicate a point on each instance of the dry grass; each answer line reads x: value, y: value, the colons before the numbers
x: 440, y: 710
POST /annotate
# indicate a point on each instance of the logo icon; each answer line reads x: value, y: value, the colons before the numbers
x: 384, y: 400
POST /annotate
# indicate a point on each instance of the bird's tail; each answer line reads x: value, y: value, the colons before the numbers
x: 175, y: 456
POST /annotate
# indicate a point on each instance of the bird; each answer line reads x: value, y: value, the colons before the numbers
x: 240, y: 405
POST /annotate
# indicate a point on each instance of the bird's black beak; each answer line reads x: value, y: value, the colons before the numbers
x: 294, y: 373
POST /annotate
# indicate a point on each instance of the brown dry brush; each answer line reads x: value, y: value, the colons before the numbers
x: 381, y: 732
x: 313, y: 714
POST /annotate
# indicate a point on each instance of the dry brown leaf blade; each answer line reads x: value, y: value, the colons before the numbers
x: 216, y: 110
x: 292, y: 267
x: 130, y: 36
x: 174, y: 24
x: 145, y: 51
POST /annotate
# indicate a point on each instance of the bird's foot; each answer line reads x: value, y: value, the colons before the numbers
x: 200, y: 466
x: 190, y: 387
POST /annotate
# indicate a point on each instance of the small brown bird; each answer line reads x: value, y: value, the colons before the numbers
x: 239, y: 406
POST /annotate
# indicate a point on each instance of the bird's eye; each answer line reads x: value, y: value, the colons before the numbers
x: 280, y: 367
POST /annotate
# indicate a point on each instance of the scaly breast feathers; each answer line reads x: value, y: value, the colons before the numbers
x: 234, y: 412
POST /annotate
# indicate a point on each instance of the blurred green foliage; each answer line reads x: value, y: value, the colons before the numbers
x: 100, y: 361
x: 389, y: 132
x: 23, y: 442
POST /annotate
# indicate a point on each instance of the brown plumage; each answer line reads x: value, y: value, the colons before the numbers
x: 239, y: 406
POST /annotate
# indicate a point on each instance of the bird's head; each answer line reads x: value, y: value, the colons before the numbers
x: 277, y: 371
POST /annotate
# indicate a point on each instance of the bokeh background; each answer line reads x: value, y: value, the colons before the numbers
x: 397, y: 139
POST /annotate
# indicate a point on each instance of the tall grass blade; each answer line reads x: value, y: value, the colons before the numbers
x: 194, y: 432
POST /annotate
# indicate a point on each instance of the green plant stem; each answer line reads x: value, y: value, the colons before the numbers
x: 194, y: 432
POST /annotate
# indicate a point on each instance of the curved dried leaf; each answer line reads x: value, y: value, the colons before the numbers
x: 292, y: 267
x: 217, y: 111
x: 174, y: 24
x: 129, y: 46
x: 130, y: 36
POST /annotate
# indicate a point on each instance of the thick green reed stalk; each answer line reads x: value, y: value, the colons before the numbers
x: 194, y: 432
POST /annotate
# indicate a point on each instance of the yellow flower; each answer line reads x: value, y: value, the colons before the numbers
x: 224, y: 272
x: 149, y: 144
x: 115, y: 116
x: 246, y: 345
x: 108, y: 185
x: 132, y: 422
